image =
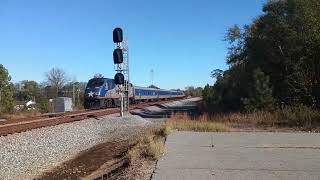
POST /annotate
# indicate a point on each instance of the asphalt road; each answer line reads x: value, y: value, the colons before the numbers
x: 192, y: 155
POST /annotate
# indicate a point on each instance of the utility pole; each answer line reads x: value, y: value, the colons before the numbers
x: 152, y: 76
x: 78, y: 95
x: 73, y: 96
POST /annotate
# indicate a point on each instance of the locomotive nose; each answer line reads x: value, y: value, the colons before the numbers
x: 93, y: 92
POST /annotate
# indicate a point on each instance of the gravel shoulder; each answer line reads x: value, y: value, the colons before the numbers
x: 26, y: 155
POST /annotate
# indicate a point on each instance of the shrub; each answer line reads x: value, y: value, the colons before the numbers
x: 301, y: 116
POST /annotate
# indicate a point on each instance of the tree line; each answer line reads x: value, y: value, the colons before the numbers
x: 56, y: 83
x: 13, y: 96
x: 273, y: 62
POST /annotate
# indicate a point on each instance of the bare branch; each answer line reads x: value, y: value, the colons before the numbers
x: 56, y: 78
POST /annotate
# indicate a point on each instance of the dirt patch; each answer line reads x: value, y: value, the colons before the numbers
x: 114, y: 159
x: 91, y: 160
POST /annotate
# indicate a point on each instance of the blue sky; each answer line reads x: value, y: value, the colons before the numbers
x: 182, y: 41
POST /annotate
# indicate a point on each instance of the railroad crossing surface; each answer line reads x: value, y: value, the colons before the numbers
x: 193, y: 155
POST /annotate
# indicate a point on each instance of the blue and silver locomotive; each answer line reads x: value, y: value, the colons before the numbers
x: 102, y: 93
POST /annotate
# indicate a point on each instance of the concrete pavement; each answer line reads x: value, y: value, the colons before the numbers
x: 193, y: 155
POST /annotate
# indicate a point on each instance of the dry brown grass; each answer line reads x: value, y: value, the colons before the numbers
x: 183, y: 122
x: 165, y: 130
x: 292, y: 117
x: 298, y: 117
x: 150, y: 146
x: 255, y: 119
x: 20, y: 115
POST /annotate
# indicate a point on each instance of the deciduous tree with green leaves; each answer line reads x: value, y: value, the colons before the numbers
x: 6, y: 91
x: 274, y: 60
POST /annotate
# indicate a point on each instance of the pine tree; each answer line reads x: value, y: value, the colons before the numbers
x: 261, y: 96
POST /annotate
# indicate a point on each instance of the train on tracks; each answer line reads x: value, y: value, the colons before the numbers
x: 102, y: 93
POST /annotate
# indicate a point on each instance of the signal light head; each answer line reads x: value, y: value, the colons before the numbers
x: 117, y: 56
x: 117, y: 35
x: 119, y: 79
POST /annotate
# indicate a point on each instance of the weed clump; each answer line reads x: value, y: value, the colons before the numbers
x: 151, y: 146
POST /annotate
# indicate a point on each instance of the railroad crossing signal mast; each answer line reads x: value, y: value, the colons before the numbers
x: 121, y: 60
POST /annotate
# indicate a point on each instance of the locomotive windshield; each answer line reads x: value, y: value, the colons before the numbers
x: 95, y: 83
x: 110, y: 84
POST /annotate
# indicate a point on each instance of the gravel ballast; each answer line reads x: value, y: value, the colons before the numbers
x: 28, y: 154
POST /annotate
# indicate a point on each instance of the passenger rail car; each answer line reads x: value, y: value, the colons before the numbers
x: 102, y: 93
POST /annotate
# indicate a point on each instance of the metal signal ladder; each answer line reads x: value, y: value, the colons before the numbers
x: 126, y: 73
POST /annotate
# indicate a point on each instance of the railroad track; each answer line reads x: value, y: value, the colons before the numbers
x: 26, y: 124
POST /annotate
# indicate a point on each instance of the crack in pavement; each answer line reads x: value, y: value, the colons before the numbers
x: 286, y: 147
x: 247, y: 169
x: 264, y: 147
